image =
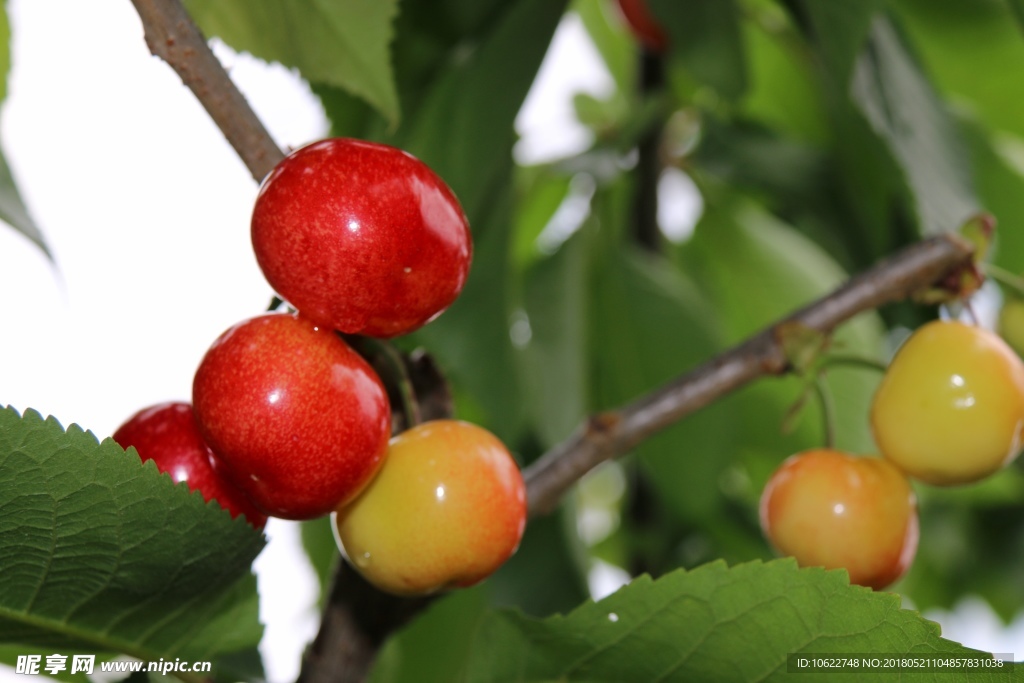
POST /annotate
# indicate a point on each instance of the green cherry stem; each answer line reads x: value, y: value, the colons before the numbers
x: 828, y: 410
x: 1005, y: 278
x: 397, y: 371
x: 849, y: 360
x: 405, y: 389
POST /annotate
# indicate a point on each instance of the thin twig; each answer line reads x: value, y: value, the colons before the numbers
x: 615, y: 432
x: 173, y: 36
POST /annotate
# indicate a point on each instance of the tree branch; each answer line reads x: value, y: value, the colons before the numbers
x: 612, y: 433
x: 173, y: 36
x: 357, y: 619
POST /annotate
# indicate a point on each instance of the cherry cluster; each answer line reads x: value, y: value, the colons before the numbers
x: 288, y: 421
x: 948, y: 411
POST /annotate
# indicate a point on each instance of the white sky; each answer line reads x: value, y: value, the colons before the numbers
x: 146, y: 209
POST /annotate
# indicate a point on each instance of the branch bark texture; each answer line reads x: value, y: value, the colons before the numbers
x: 612, y: 433
x: 173, y: 36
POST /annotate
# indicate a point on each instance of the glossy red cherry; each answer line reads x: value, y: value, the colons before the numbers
x: 361, y: 237
x: 168, y: 435
x: 298, y: 419
x: 643, y: 25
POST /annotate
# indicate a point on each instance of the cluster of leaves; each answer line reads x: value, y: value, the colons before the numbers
x: 818, y: 136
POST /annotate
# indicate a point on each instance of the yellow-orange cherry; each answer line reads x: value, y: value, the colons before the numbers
x: 831, y: 509
x: 446, y: 509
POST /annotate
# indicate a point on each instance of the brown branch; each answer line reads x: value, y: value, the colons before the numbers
x: 612, y: 433
x: 357, y: 619
x: 173, y: 36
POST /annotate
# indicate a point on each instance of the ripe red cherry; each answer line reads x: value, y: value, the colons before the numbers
x: 361, y: 237
x: 835, y: 510
x: 298, y: 419
x: 643, y: 25
x: 168, y: 435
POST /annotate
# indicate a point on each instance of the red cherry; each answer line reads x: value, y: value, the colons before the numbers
x: 643, y: 25
x: 361, y: 237
x: 168, y: 435
x: 298, y: 419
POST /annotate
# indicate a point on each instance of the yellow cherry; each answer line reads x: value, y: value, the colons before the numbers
x: 950, y: 408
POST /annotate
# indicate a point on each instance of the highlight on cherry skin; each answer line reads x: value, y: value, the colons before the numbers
x: 831, y: 509
x: 446, y: 510
x: 167, y: 434
x: 361, y: 237
x: 298, y: 420
x: 950, y: 408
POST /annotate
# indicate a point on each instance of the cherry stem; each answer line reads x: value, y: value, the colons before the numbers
x: 828, y: 410
x: 397, y: 370
x: 400, y: 375
x: 850, y: 360
x: 1005, y: 278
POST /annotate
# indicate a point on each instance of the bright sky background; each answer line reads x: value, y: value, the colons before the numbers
x: 146, y: 209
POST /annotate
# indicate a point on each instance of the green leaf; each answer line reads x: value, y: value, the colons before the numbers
x: 540, y: 191
x: 555, y: 360
x: 13, y: 210
x: 973, y: 51
x: 712, y: 623
x: 548, y: 572
x: 344, y: 44
x: 1017, y: 6
x: 436, y: 645
x: 838, y: 31
x: 1000, y: 177
x: 5, y: 49
x: 612, y: 40
x: 705, y: 39
x: 471, y: 340
x: 783, y: 91
x: 463, y: 73
x: 904, y: 110
x: 101, y: 552
x: 464, y: 127
x: 649, y: 326
x: 322, y: 550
